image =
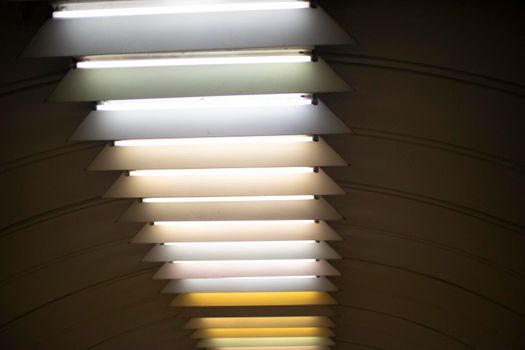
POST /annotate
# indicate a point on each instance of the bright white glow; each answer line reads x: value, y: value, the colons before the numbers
x: 197, y: 61
x: 273, y: 261
x: 216, y: 141
x: 266, y: 277
x: 222, y: 171
x: 98, y: 9
x: 226, y: 223
x: 253, y: 250
x: 206, y: 102
x: 233, y: 243
x: 228, y: 199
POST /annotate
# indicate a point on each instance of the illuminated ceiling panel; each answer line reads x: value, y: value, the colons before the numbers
x: 244, y: 268
x: 259, y: 322
x: 205, y: 122
x: 224, y: 185
x: 191, y: 251
x: 186, y: 32
x: 171, y: 79
x: 262, y: 332
x: 217, y: 155
x: 236, y: 232
x: 303, y: 347
x: 317, y: 209
x: 207, y: 80
x: 253, y: 299
x: 249, y: 342
x: 250, y: 284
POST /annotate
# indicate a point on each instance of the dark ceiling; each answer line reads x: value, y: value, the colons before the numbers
x: 434, y: 245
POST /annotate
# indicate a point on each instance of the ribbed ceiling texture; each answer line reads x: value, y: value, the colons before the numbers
x: 433, y: 238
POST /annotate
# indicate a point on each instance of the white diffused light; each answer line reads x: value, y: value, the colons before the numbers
x: 197, y: 61
x: 106, y: 9
x: 232, y: 244
x: 222, y: 171
x: 206, y: 102
x: 274, y: 261
x: 226, y: 223
x: 228, y: 199
x: 215, y: 141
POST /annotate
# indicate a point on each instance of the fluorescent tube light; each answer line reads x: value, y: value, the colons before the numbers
x: 130, y: 8
x: 226, y: 223
x: 246, y: 250
x: 277, y: 343
x: 253, y: 299
x: 259, y: 322
x: 263, y: 278
x: 242, y: 332
x: 305, y: 347
x: 222, y: 171
x: 215, y: 141
x: 197, y: 61
x: 228, y: 199
x: 222, y: 262
x: 234, y: 243
x: 206, y: 102
x: 183, y: 269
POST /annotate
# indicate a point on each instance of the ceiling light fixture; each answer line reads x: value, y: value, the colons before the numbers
x: 207, y: 102
x: 228, y: 199
x: 196, y: 61
x: 247, y: 250
x: 233, y: 244
x: 253, y: 299
x: 249, y: 284
x: 237, y: 223
x: 259, y: 322
x: 251, y: 262
x: 242, y: 332
x: 245, y: 140
x: 223, y: 171
x: 137, y: 8
x: 254, y: 343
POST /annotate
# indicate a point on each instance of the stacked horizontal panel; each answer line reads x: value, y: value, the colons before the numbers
x: 217, y: 130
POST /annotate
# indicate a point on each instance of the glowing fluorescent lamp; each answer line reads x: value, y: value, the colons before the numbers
x: 206, y: 102
x: 246, y: 140
x: 251, y: 262
x: 229, y: 244
x: 129, y: 8
x: 277, y: 342
x: 197, y: 61
x: 249, y: 284
x: 244, y: 268
x: 305, y: 347
x: 262, y: 332
x: 253, y: 299
x: 222, y: 171
x: 259, y: 250
x: 228, y: 199
x: 259, y: 322
x: 227, y: 223
x: 264, y: 278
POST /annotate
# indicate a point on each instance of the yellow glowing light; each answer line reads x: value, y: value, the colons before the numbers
x: 259, y: 322
x: 293, y: 347
x: 262, y: 332
x: 277, y: 342
x: 253, y: 299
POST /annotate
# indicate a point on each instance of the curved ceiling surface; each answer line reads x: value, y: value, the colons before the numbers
x: 433, y: 250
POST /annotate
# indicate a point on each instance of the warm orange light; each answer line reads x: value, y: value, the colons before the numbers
x: 253, y: 299
x: 259, y: 322
x: 262, y: 332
